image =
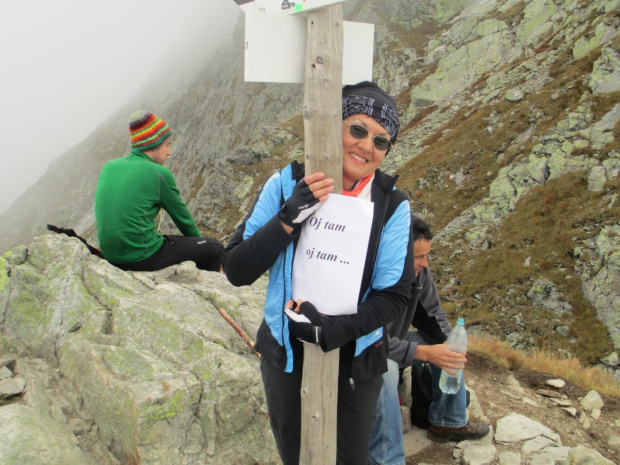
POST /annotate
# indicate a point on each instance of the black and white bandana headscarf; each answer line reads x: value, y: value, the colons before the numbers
x: 368, y: 98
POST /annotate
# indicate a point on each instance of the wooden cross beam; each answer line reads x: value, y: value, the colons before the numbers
x: 322, y: 112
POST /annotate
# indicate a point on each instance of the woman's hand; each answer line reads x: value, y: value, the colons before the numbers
x: 306, y: 327
x: 320, y: 185
x: 308, y: 195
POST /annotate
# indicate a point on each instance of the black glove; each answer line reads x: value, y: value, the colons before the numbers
x: 301, y: 204
x: 308, y: 332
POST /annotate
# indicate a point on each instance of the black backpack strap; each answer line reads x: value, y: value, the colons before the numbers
x: 72, y: 233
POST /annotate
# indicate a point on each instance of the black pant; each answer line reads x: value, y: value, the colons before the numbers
x: 204, y: 251
x: 355, y: 417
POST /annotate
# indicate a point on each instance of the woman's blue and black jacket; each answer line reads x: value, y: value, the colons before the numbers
x: 260, y: 243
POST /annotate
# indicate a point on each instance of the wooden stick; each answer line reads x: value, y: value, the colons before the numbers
x: 323, y: 152
x: 240, y: 331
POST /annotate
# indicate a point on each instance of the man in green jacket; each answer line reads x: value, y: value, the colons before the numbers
x: 130, y: 193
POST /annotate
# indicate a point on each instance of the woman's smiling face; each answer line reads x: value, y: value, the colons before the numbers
x: 359, y: 156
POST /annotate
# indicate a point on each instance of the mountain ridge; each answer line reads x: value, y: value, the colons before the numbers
x: 510, y: 120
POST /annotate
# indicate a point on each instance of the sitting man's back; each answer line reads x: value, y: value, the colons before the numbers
x: 130, y: 193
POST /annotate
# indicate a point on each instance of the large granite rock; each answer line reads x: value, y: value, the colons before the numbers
x: 155, y: 366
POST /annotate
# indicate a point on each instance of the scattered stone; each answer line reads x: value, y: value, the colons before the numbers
x: 517, y: 428
x: 479, y: 455
x: 458, y: 177
x: 605, y: 76
x: 611, y: 360
x: 512, y: 383
x: 12, y: 387
x: 545, y: 294
x: 584, y: 421
x: 475, y: 409
x: 531, y: 402
x: 512, y: 394
x: 585, y: 455
x: 551, y: 454
x: 534, y: 445
x: 596, y: 413
x: 556, y: 383
x: 7, y: 360
x: 572, y: 411
x: 514, y: 95
x: 547, y: 393
x: 597, y: 179
x: 509, y: 458
x: 592, y: 400
x: 562, y: 402
x: 614, y: 443
x: 5, y: 373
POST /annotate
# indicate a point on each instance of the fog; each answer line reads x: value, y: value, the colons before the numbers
x: 67, y: 65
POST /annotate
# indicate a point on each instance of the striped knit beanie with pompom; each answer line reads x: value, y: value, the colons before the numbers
x: 147, y: 131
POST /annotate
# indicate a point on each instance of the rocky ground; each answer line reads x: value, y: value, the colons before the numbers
x: 498, y: 395
x: 81, y: 341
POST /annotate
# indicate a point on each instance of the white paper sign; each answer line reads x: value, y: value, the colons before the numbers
x: 298, y: 317
x: 275, y: 48
x: 286, y: 7
x: 357, y: 52
x: 330, y: 255
x: 280, y: 7
x: 246, y: 5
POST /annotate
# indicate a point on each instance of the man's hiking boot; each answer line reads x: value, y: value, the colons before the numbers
x: 472, y: 430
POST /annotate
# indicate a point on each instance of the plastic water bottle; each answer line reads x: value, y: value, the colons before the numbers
x: 457, y: 342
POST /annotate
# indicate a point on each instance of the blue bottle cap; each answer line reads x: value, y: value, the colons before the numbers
x: 460, y: 322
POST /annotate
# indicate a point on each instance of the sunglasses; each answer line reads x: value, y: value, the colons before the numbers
x: 360, y: 132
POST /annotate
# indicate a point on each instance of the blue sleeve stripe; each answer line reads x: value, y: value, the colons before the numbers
x: 267, y: 205
x: 393, y: 248
x: 365, y: 341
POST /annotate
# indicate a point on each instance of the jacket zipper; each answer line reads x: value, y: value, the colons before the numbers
x: 283, y: 315
x: 374, y: 257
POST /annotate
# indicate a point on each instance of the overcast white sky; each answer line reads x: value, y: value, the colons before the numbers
x: 67, y: 65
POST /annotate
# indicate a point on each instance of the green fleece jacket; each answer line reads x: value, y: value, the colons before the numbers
x: 130, y: 193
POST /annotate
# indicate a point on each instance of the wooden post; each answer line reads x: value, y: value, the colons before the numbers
x: 323, y: 93
x: 323, y: 152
